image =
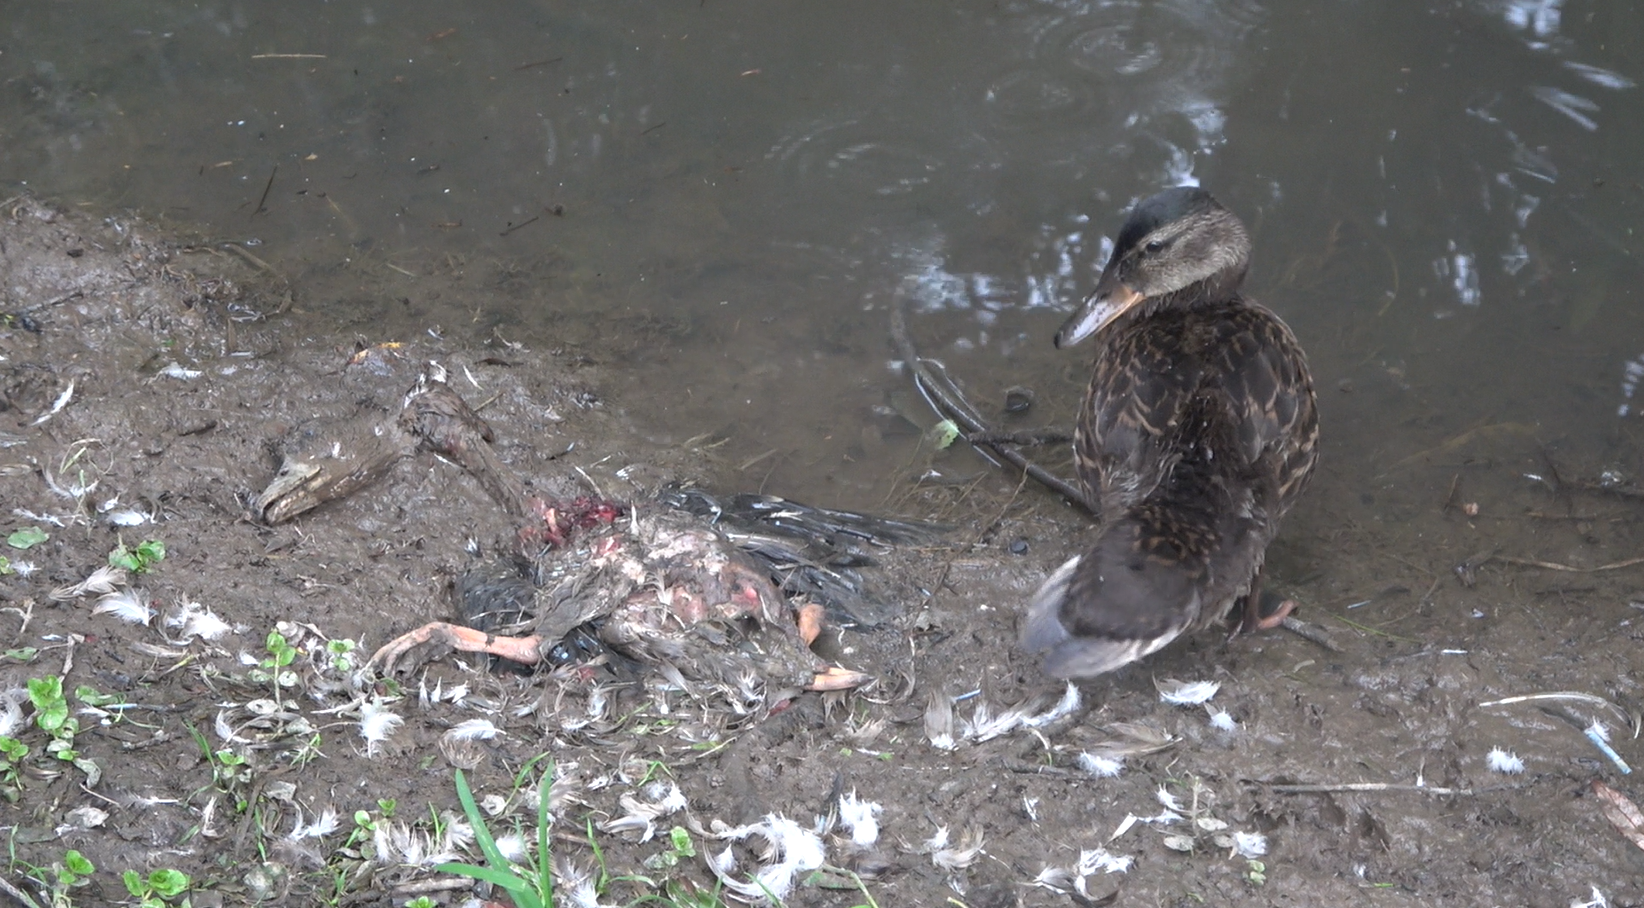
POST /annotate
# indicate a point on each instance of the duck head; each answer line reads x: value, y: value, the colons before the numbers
x: 1176, y: 248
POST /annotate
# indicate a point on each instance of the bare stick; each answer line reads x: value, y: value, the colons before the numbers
x: 1555, y: 566
x: 1373, y: 786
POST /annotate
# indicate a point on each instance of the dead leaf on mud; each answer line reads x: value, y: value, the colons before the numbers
x: 1622, y: 813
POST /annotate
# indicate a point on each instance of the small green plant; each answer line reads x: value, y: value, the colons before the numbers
x: 22, y: 654
x: 421, y: 901
x: 531, y: 883
x: 307, y: 751
x: 272, y: 670
x: 1255, y: 872
x: 51, y: 715
x: 230, y: 771
x: 364, y: 828
x: 12, y: 754
x: 97, y: 703
x: 27, y: 538
x: 680, y: 847
x: 69, y: 873
x: 158, y: 888
x: 342, y: 654
x: 51, y: 712
x: 5, y: 566
x: 139, y: 560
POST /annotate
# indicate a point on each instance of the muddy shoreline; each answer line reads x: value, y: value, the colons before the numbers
x: 147, y: 385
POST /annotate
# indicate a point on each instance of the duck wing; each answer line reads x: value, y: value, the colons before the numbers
x: 1198, y: 434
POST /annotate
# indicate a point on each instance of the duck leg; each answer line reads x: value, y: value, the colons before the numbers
x: 524, y: 650
x: 528, y: 651
x: 829, y: 677
x: 1263, y: 610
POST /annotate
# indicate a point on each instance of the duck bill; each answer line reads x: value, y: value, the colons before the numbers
x: 1107, y: 302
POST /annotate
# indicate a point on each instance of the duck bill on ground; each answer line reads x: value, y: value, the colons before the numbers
x: 289, y: 494
x: 1111, y: 299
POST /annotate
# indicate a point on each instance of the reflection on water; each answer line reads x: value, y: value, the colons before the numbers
x: 1444, y: 196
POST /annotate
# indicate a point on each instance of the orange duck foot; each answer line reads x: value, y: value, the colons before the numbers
x: 1264, y: 612
x: 834, y: 677
x: 524, y: 650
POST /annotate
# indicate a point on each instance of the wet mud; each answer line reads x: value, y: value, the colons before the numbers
x: 148, y: 387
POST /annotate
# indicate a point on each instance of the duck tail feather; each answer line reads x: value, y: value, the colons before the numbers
x: 1108, y: 608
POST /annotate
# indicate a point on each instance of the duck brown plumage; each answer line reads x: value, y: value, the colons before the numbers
x: 1198, y: 433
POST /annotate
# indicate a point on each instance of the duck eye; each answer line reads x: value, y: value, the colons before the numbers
x: 1154, y: 247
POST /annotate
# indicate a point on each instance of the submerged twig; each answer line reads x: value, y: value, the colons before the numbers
x: 1619, y: 491
x: 1570, y: 568
x: 954, y: 407
x: 1632, y: 719
x: 263, y: 202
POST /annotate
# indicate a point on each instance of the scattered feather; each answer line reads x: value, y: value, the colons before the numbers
x: 1100, y: 860
x: 85, y: 817
x: 482, y: 729
x: 1170, y: 801
x: 11, y: 711
x: 1058, y: 879
x: 463, y: 745
x: 789, y: 850
x: 1599, y: 734
x: 513, y: 847
x: 939, y: 721
x: 639, y: 819
x: 105, y: 579
x: 57, y: 405
x: 126, y: 605
x: 377, y: 723
x: 27, y: 514
x: 177, y: 371
x: 225, y: 732
x: 1067, y: 706
x: 405, y: 844
x: 860, y: 818
x: 1249, y: 844
x: 1186, y: 693
x: 1504, y: 761
x: 1222, y: 720
x: 24, y: 569
x: 985, y: 725
x: 1100, y: 765
x: 126, y: 517
x: 323, y: 825
x: 1597, y: 901
x: 191, y: 619
x: 1124, y: 826
x: 957, y: 857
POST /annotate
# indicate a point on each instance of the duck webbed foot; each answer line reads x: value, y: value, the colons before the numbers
x: 435, y: 639
x: 1263, y: 610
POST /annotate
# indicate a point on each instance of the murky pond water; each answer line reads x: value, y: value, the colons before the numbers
x: 1444, y: 194
x: 717, y: 201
